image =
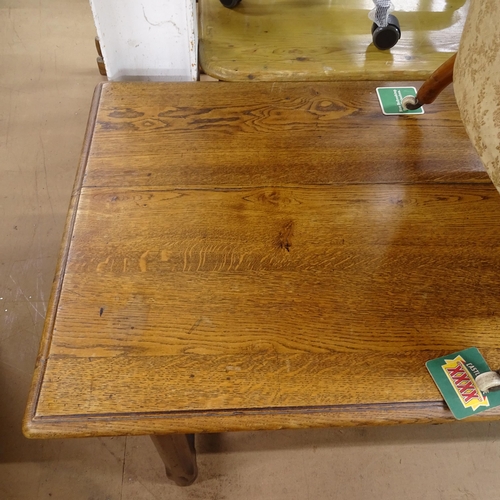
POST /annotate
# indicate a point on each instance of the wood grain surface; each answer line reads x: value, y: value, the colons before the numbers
x: 324, y: 40
x: 262, y: 256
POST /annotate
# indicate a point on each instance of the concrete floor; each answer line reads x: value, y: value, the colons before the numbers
x: 47, y: 75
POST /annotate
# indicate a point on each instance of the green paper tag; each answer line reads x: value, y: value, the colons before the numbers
x: 455, y: 377
x: 391, y: 98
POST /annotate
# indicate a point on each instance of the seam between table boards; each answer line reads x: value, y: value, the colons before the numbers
x: 248, y: 412
x: 310, y: 186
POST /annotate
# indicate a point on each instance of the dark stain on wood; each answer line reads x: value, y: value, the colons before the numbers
x: 285, y: 236
x: 126, y: 113
x: 118, y: 126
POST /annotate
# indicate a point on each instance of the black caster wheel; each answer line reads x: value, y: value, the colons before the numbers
x: 230, y: 3
x: 385, y: 38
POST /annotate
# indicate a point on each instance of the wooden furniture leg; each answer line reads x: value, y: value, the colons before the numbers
x: 179, y: 456
x: 100, y: 60
x: 433, y: 86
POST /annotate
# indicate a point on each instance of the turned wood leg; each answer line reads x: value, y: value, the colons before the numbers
x: 434, y: 85
x: 179, y: 456
x: 437, y: 82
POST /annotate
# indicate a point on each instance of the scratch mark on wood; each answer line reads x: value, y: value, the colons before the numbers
x: 143, y: 263
x: 195, y: 326
x: 101, y: 265
x: 285, y: 236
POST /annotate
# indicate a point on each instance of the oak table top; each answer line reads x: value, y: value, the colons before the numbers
x: 264, y: 40
x: 265, y: 255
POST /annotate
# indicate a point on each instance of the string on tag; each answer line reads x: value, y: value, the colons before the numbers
x: 487, y: 381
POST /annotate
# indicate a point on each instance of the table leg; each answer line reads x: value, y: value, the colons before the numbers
x: 179, y: 456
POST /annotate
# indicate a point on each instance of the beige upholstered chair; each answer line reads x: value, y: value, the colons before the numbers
x: 477, y: 82
x: 475, y: 71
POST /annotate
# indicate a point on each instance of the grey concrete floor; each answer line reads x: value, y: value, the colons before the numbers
x: 47, y: 75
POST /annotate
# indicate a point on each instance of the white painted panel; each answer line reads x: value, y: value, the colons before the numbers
x: 148, y: 39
